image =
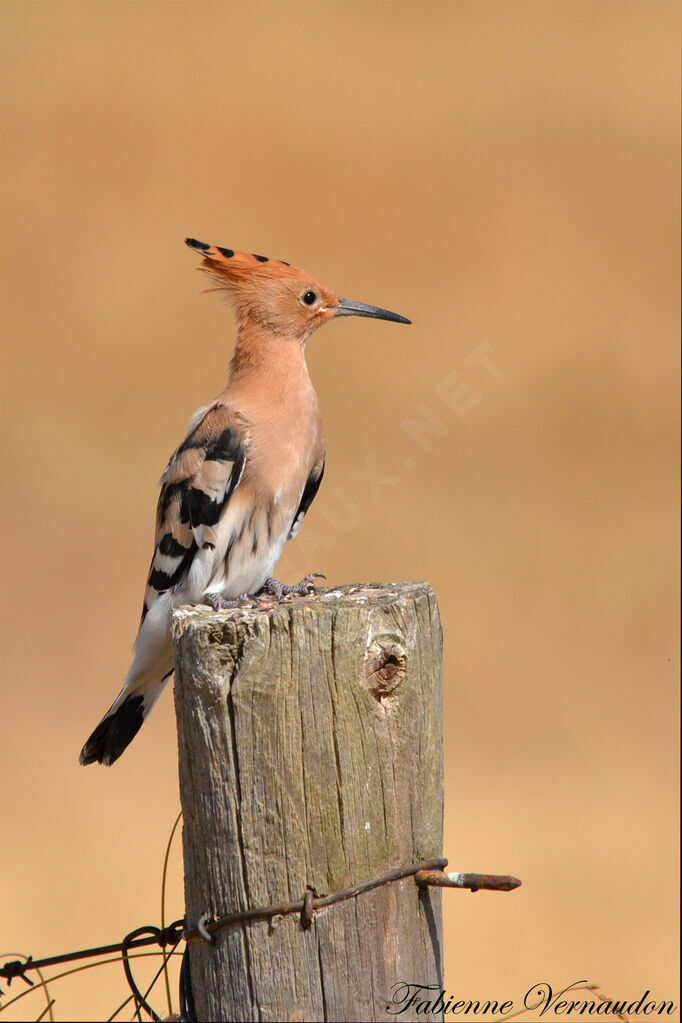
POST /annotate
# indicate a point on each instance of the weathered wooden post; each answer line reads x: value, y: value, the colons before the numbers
x: 311, y: 758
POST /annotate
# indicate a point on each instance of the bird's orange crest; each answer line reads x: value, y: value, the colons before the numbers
x: 230, y: 264
x: 270, y: 294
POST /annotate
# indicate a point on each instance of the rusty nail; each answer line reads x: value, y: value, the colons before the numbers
x: 474, y: 882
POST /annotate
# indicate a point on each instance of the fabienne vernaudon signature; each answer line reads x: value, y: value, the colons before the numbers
x: 432, y: 1000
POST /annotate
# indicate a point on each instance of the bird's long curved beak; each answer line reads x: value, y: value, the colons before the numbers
x: 348, y: 308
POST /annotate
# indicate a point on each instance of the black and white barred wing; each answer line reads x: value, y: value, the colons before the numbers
x: 199, y: 480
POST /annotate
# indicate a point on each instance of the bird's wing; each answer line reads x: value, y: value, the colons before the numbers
x: 195, y: 488
x: 309, y: 491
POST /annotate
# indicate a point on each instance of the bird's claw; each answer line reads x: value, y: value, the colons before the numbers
x: 306, y: 586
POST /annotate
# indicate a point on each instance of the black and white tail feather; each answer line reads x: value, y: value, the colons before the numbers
x: 195, y: 488
x: 120, y: 725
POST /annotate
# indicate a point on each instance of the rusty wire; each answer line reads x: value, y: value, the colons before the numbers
x: 429, y: 873
x: 205, y: 929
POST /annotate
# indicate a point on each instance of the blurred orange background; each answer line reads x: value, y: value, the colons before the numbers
x: 505, y: 174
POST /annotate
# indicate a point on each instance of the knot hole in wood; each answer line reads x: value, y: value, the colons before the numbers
x: 385, y: 666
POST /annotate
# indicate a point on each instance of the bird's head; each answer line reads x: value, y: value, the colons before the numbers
x: 276, y: 297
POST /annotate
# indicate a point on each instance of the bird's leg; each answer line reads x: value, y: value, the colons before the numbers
x: 278, y: 590
x: 220, y: 603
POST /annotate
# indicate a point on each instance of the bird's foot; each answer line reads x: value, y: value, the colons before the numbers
x: 220, y: 603
x: 306, y: 586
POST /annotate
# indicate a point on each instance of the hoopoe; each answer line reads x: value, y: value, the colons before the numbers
x: 241, y: 482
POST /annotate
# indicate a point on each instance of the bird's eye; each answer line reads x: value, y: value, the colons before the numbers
x: 310, y: 298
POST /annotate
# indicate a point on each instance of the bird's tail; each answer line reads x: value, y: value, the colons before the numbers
x: 132, y: 706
